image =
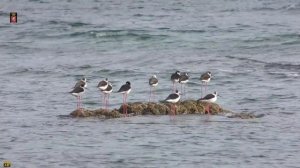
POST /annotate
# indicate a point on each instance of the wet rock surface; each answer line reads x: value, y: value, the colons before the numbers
x: 162, y: 108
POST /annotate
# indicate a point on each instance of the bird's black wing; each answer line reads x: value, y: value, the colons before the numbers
x: 207, y: 97
x: 172, y: 96
x: 124, y: 88
x: 79, y: 83
x: 183, y: 78
x: 175, y: 76
x: 102, y: 83
x: 153, y: 81
x: 204, y: 76
x: 77, y: 90
x: 109, y: 88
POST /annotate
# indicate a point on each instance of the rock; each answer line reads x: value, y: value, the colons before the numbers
x: 243, y: 115
x: 160, y: 108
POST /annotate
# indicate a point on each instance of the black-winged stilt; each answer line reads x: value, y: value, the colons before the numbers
x: 102, y: 85
x: 173, y: 98
x: 175, y: 78
x: 125, y: 90
x: 77, y: 92
x: 205, y: 78
x: 107, y: 92
x: 211, y: 98
x: 184, y: 78
x: 153, y: 82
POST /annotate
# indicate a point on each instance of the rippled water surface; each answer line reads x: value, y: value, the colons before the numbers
x: 251, y: 47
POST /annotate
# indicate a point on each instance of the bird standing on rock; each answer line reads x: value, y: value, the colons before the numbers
x: 102, y: 85
x: 173, y: 98
x: 125, y: 90
x: 211, y: 98
x: 77, y: 92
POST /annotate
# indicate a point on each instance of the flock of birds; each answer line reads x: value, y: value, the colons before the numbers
x: 106, y: 88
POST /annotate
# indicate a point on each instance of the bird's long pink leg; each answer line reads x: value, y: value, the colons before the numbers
x: 181, y: 88
x: 150, y: 93
x: 81, y: 103
x: 126, y: 104
x: 201, y: 89
x: 108, y: 101
x: 173, y: 86
x: 184, y: 91
x: 205, y: 87
x: 123, y: 103
x: 77, y: 102
x: 154, y: 94
x: 105, y: 100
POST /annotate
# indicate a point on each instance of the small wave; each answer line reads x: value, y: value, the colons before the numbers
x: 291, y: 7
x: 289, y: 35
x: 282, y: 66
x: 136, y: 34
x: 72, y: 24
x: 4, y: 13
x: 23, y: 71
x: 282, y: 75
x: 230, y: 10
x: 189, y: 31
x: 85, y: 67
x: 264, y: 9
x: 245, y: 59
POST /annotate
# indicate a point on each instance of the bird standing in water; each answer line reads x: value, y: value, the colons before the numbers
x: 175, y: 78
x: 205, y: 78
x: 183, y: 79
x: 153, y: 82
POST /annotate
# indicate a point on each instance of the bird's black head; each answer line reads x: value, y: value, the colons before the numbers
x: 177, y: 72
x: 128, y: 83
x: 176, y: 91
x: 106, y: 79
x: 208, y: 72
x: 83, y: 79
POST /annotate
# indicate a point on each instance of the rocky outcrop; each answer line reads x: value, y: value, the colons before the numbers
x: 162, y: 108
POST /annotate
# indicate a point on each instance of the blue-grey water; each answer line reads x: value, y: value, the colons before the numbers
x: 250, y: 46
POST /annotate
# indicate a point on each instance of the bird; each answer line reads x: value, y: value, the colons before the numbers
x: 153, y: 82
x: 173, y: 98
x: 183, y: 79
x: 102, y: 85
x: 211, y: 98
x: 82, y: 81
x: 107, y: 92
x: 175, y: 78
x: 77, y: 92
x: 205, y: 78
x: 125, y: 90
